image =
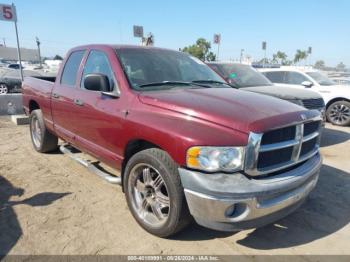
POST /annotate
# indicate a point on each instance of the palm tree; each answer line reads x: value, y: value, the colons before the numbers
x: 282, y: 56
x: 274, y: 59
x: 300, y: 55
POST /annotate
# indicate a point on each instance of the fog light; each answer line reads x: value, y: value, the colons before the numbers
x: 230, y: 211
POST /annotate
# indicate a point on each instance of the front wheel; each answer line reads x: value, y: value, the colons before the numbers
x: 3, y: 89
x: 338, y: 113
x: 154, y: 193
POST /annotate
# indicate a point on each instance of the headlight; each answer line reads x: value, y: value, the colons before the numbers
x: 212, y: 159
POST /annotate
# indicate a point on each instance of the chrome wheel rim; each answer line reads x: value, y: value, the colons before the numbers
x: 36, y: 131
x: 339, y: 114
x: 150, y: 198
x: 3, y: 89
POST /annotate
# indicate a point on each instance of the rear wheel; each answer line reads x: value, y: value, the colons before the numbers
x: 43, y: 141
x: 154, y: 193
x: 338, y: 113
x: 3, y: 89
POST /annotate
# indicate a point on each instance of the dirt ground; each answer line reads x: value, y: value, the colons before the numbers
x: 49, y: 204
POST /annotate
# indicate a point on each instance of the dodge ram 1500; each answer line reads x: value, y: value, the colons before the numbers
x: 187, y: 145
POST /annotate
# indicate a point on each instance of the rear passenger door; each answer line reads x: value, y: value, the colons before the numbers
x: 62, y: 103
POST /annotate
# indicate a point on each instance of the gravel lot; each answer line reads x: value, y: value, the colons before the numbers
x: 49, y: 204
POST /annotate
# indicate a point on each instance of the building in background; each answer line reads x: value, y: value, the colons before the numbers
x: 10, y: 53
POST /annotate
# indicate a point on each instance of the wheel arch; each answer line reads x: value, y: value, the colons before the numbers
x: 336, y: 100
x: 133, y: 147
x: 33, y: 105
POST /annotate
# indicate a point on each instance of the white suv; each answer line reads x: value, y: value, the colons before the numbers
x: 336, y: 97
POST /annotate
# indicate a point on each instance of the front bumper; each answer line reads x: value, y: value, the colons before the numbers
x: 233, y: 202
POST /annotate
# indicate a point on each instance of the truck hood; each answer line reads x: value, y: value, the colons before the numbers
x: 286, y: 93
x: 239, y: 110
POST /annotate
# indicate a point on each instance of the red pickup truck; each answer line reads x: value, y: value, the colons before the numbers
x: 187, y: 145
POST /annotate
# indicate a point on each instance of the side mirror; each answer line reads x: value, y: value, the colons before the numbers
x: 307, y: 84
x: 97, y: 82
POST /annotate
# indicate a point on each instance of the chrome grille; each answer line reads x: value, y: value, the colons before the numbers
x: 281, y: 148
x: 313, y: 103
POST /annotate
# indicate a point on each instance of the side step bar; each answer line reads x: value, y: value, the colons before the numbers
x: 91, y: 167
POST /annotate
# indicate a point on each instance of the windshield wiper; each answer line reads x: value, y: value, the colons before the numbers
x: 210, y: 82
x: 173, y: 83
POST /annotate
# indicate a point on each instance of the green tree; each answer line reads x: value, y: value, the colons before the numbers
x: 300, y: 55
x: 201, y: 50
x: 341, y: 67
x: 274, y: 59
x: 58, y: 57
x: 287, y: 62
x: 282, y: 56
x: 319, y: 64
x: 211, y: 56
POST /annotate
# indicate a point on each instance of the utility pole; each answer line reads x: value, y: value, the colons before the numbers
x: 309, y: 51
x: 38, y: 44
x: 264, y: 45
x: 217, y: 40
x: 19, y: 50
x: 241, y: 57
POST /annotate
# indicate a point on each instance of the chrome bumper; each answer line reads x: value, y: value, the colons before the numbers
x: 232, y: 202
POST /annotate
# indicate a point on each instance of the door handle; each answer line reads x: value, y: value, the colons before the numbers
x: 78, y: 102
x: 54, y: 95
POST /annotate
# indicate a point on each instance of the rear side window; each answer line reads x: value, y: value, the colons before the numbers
x: 275, y: 77
x: 71, y: 68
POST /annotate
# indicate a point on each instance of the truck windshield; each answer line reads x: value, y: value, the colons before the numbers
x: 240, y: 75
x: 321, y: 79
x: 148, y: 69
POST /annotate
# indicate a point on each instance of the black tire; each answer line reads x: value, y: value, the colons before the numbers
x: 178, y: 216
x: 338, y: 113
x: 45, y: 141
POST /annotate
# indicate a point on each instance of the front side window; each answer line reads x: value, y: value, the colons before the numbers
x: 295, y: 78
x: 71, y: 68
x: 275, y: 76
x: 321, y: 79
x: 98, y: 63
x: 145, y: 66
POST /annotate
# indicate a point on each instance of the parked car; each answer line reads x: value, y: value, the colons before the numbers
x: 336, y: 97
x: 341, y: 80
x: 247, y: 78
x: 14, y: 66
x: 11, y: 82
x: 186, y: 143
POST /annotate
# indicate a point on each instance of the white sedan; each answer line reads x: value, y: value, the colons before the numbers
x: 336, y: 97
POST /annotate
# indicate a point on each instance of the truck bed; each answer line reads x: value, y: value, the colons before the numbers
x: 38, y: 89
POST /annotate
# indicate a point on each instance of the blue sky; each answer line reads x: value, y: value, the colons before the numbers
x: 285, y: 25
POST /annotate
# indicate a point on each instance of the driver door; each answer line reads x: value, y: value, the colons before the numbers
x: 99, y: 117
